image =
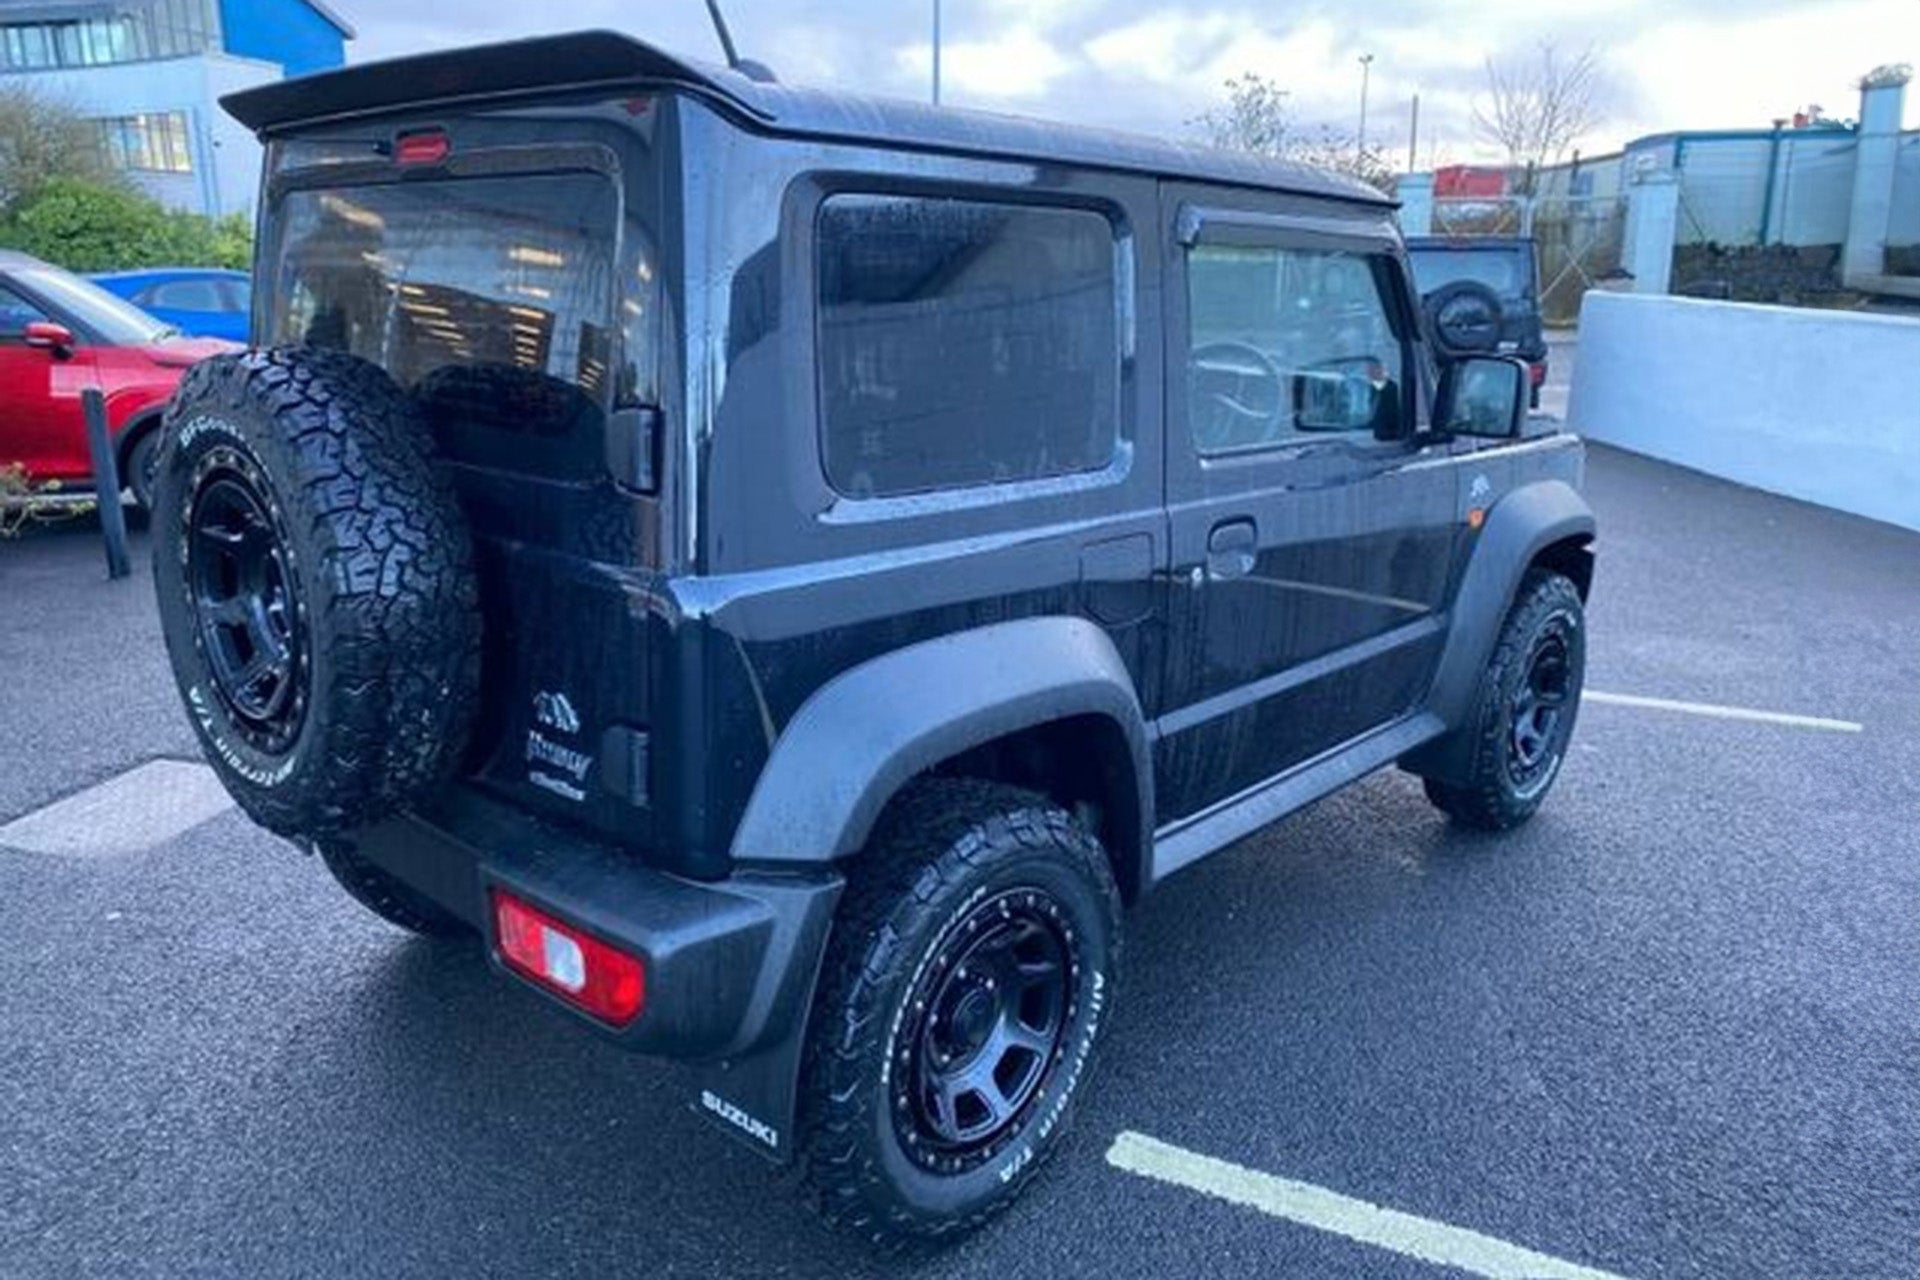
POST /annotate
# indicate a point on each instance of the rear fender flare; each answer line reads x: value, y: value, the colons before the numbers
x: 869, y: 731
x: 851, y: 746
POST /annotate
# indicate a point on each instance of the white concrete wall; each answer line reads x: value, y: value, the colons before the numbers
x: 1817, y: 405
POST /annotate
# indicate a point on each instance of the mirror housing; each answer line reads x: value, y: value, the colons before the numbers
x: 1484, y: 396
x: 1341, y: 395
x: 48, y: 336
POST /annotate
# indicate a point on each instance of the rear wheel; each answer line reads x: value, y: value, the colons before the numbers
x: 965, y: 986
x: 1524, y: 716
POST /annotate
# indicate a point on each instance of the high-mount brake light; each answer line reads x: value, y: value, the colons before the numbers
x: 579, y: 968
x: 426, y: 146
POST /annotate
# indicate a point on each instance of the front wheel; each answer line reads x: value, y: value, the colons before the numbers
x: 969, y: 973
x: 1524, y: 715
x: 143, y: 468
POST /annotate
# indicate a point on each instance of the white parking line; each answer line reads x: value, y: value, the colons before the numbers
x: 1722, y: 713
x: 1325, y: 1210
x: 141, y: 808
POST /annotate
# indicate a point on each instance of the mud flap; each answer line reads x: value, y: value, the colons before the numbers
x: 753, y: 1095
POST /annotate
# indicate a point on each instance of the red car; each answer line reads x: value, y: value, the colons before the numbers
x: 59, y: 335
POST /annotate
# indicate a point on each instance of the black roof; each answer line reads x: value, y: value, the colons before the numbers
x: 606, y: 58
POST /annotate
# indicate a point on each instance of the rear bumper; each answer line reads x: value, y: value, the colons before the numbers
x: 729, y: 966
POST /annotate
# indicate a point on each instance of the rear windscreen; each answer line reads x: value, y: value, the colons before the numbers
x: 1508, y: 272
x: 491, y: 299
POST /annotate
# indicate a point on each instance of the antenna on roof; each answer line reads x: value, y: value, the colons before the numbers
x: 745, y: 66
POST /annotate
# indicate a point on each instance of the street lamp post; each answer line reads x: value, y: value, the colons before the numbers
x: 936, y: 52
x: 1366, y: 74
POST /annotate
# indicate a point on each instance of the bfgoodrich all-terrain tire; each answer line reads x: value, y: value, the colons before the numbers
x: 316, y: 586
x: 1524, y: 714
x: 970, y: 971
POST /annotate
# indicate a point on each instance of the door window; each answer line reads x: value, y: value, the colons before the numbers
x: 16, y: 313
x: 1288, y: 345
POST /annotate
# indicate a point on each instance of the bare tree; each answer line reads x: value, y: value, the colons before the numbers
x: 1537, y: 108
x: 1257, y: 117
x: 42, y: 138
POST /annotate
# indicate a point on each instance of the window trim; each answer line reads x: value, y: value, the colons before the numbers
x: 851, y: 508
x: 1200, y: 226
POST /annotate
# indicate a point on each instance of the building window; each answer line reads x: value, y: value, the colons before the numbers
x: 123, y: 33
x: 965, y: 343
x: 154, y: 143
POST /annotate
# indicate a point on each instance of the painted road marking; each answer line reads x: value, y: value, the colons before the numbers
x: 1325, y: 1210
x: 141, y: 808
x: 1722, y: 713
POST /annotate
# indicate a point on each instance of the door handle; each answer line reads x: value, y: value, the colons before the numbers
x: 1231, y: 549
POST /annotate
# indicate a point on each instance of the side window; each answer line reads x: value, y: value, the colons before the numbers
x: 187, y: 295
x: 964, y: 343
x: 1287, y: 345
x: 16, y: 313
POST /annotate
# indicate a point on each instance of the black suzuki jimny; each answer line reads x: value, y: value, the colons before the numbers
x: 786, y: 569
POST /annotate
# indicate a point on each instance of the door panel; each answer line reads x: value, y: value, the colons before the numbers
x: 1312, y: 539
x: 40, y: 423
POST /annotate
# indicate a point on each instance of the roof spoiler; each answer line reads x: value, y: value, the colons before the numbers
x: 520, y: 66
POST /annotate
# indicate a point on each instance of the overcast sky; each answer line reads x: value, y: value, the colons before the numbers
x: 1151, y: 65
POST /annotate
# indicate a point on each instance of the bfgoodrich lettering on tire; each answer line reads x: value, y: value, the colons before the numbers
x: 316, y: 587
x: 969, y: 974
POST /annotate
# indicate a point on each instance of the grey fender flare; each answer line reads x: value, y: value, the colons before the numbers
x: 1519, y: 527
x: 868, y: 731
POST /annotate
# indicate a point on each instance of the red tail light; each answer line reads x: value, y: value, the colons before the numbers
x: 428, y: 146
x: 580, y: 969
x: 1539, y: 372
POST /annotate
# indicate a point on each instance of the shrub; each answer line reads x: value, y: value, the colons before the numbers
x: 41, y: 139
x: 86, y: 225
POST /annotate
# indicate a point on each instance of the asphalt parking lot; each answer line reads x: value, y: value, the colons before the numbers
x: 1670, y: 1029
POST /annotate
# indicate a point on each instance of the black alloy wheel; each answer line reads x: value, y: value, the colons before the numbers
x: 1516, y: 741
x: 968, y: 974
x: 247, y: 617
x: 1539, y: 702
x: 987, y: 1028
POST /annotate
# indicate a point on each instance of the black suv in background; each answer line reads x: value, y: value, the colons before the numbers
x: 1482, y: 297
x: 784, y: 569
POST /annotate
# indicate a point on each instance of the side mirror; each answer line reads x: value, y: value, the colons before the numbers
x: 48, y: 336
x: 1483, y: 396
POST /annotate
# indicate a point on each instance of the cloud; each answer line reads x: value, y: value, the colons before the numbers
x: 1154, y: 65
x: 1019, y: 64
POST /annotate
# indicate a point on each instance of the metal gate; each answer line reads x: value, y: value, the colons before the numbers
x: 1579, y: 240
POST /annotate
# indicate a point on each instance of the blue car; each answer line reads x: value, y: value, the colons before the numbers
x: 199, y: 302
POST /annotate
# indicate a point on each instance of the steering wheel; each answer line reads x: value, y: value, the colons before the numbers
x: 1245, y: 395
